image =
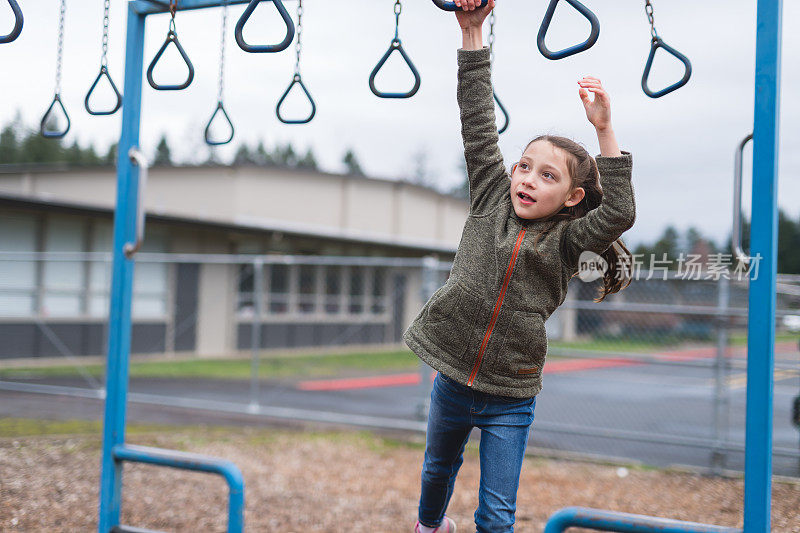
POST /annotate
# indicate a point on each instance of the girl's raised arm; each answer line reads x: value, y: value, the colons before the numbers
x: 600, y: 227
x: 485, y: 168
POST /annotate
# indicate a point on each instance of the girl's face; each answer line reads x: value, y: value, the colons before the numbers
x: 540, y: 182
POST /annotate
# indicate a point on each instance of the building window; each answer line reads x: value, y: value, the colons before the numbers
x: 317, y: 291
x: 379, y: 281
x: 100, y: 271
x: 357, y: 275
x: 246, y: 288
x: 150, y: 291
x: 17, y: 278
x: 63, y: 281
x: 150, y: 281
x: 279, y: 289
x: 72, y: 288
x: 333, y: 289
x: 307, y: 290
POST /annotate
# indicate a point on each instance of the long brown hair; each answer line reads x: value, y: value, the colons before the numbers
x: 584, y: 173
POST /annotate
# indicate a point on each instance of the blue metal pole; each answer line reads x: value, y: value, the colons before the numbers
x: 119, y: 339
x: 200, y: 463
x: 763, y: 243
x: 600, y: 520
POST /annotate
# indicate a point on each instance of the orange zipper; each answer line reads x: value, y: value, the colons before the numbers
x: 496, y: 307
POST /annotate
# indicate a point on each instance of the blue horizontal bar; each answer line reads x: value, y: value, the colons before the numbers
x: 197, y: 462
x: 149, y: 7
x: 182, y: 460
x: 624, y: 522
x: 129, y: 529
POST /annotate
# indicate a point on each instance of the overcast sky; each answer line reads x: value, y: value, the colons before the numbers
x: 682, y: 144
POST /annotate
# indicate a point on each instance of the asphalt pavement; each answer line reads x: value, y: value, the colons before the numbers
x: 665, y: 413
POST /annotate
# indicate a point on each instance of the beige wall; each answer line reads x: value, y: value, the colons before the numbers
x: 215, y: 324
x: 294, y: 200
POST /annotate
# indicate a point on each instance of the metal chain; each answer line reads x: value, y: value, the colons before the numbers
x: 648, y: 8
x: 491, y: 37
x: 103, y: 59
x: 222, y: 50
x: 60, y: 46
x: 173, y: 7
x: 298, y: 47
x: 398, y: 8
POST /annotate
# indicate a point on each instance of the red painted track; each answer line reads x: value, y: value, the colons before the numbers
x: 413, y: 378
x: 360, y: 383
x: 553, y: 367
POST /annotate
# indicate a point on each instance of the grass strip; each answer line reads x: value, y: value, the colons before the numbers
x: 330, y: 365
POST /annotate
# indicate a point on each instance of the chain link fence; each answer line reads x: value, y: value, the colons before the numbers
x: 655, y: 373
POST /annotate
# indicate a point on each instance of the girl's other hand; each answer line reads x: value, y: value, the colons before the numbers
x: 598, y: 111
x: 471, y: 15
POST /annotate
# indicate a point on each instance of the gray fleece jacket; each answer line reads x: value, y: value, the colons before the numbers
x: 484, y: 327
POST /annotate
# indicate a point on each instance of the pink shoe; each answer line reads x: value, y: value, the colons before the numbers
x: 447, y: 526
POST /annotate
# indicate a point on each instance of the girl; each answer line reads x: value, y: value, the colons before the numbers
x: 483, y: 331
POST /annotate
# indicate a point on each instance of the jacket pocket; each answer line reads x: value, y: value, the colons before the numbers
x: 451, y: 318
x: 524, y: 347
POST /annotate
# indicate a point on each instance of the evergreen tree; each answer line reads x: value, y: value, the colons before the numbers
x: 8, y: 145
x: 351, y: 163
x: 90, y: 156
x: 651, y: 254
x: 462, y: 189
x: 693, y: 237
x: 37, y: 149
x: 262, y: 156
x: 745, y: 242
x: 642, y: 253
x: 667, y: 244
x: 243, y: 156
x: 308, y: 161
x: 163, y: 156
x: 213, y: 156
x: 285, y: 155
x: 788, y: 244
x: 74, y: 154
x: 111, y: 155
x: 421, y: 174
x: 11, y: 140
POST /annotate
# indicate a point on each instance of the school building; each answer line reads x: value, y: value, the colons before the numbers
x: 49, y: 306
x: 228, y: 215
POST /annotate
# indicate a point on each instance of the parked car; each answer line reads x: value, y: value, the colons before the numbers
x: 698, y: 329
x: 792, y: 322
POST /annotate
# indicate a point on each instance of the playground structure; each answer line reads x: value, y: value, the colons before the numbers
x: 129, y: 232
x: 395, y: 45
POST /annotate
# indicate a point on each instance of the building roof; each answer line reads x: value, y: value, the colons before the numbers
x: 422, y: 219
x: 33, y: 168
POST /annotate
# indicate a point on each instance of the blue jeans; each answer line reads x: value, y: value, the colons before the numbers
x: 504, y: 423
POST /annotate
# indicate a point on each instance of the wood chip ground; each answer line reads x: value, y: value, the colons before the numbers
x: 334, y: 481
